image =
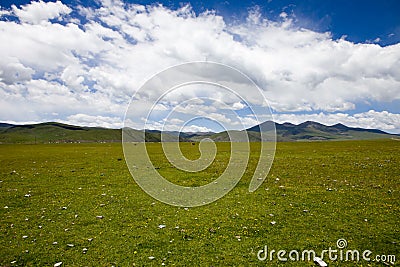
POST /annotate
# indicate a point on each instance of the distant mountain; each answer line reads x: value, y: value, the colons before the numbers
x: 311, y: 130
x: 5, y: 125
x: 54, y: 132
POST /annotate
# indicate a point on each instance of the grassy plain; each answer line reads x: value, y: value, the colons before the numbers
x: 316, y: 193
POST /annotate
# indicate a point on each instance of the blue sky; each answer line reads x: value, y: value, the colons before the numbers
x: 359, y: 20
x: 80, y: 62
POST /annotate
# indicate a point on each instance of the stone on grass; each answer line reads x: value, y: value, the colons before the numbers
x: 161, y: 226
x: 273, y: 222
x: 58, y: 264
x: 151, y: 258
x: 99, y: 217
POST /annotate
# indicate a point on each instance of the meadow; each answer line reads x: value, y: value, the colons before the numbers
x: 79, y: 205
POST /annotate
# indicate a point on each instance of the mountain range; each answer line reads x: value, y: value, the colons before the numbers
x: 54, y: 132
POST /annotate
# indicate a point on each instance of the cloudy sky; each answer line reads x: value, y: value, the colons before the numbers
x: 81, y: 62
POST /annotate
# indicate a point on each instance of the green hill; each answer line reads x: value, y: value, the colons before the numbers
x: 54, y: 132
x: 311, y: 130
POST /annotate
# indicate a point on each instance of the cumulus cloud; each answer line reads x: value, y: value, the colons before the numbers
x: 94, y: 121
x: 37, y: 12
x: 86, y: 68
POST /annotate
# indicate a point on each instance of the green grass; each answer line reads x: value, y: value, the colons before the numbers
x: 325, y: 191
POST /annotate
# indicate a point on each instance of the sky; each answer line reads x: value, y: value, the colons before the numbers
x: 81, y: 62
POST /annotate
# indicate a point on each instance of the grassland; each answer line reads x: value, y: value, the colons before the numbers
x: 316, y: 193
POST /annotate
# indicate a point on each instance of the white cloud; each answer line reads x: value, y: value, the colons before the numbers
x: 94, y: 68
x: 37, y: 12
x: 12, y: 71
x: 283, y: 15
x: 195, y: 128
x: 94, y: 121
x: 238, y: 105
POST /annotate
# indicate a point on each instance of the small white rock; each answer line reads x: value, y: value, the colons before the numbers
x: 70, y: 245
x: 151, y: 258
x: 27, y: 195
x: 64, y: 208
x: 90, y: 239
x: 6, y: 207
x: 55, y: 243
x: 161, y: 226
x: 24, y: 236
x: 13, y: 262
x: 84, y: 250
x: 58, y: 264
x: 100, y: 217
x: 273, y: 222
